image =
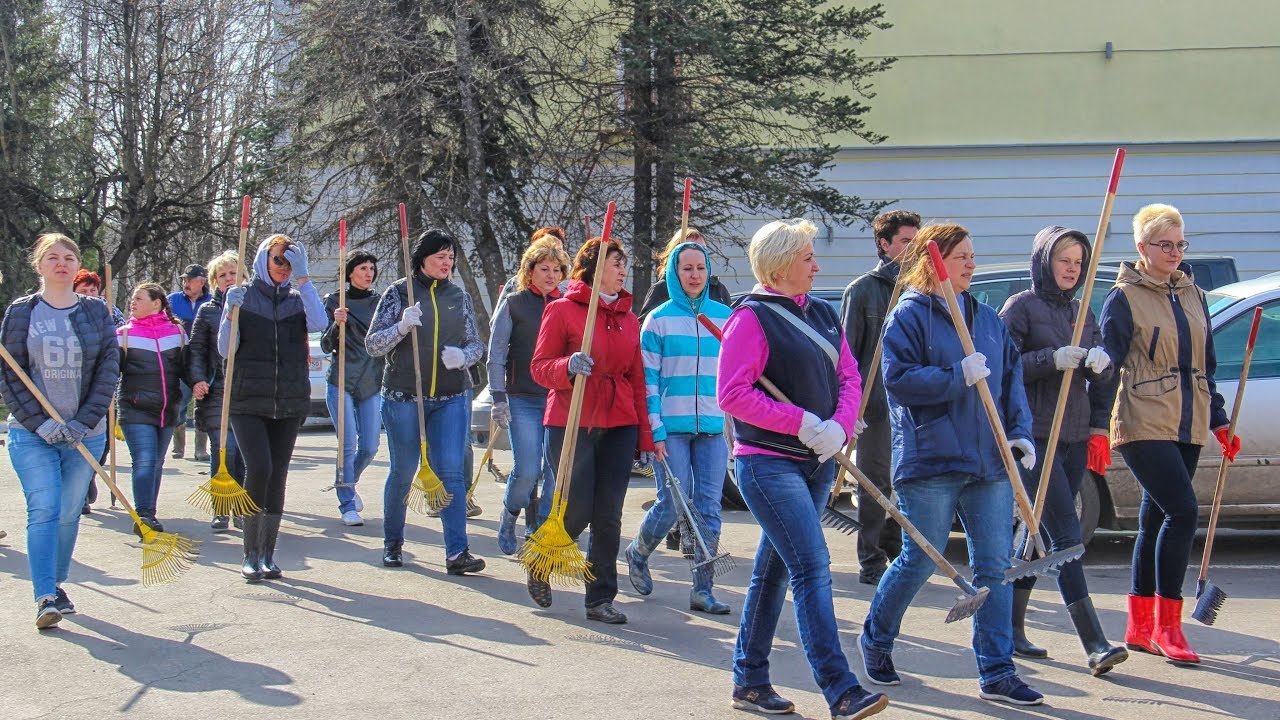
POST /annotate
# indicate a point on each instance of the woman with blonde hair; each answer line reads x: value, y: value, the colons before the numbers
x: 67, y: 345
x: 1155, y: 325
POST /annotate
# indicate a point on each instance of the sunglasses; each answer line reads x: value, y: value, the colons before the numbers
x: 279, y: 260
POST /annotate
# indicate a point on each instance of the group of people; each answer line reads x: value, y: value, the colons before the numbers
x: 662, y: 390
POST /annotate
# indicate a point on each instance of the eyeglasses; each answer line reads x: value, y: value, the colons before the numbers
x: 1169, y: 247
x: 279, y: 260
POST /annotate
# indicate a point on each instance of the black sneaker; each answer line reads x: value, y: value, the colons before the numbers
x: 391, y: 556
x: 463, y: 564
x: 606, y: 613
x: 877, y: 665
x: 870, y: 576
x: 47, y: 614
x: 63, y: 603
x: 221, y: 523
x: 761, y: 699
x: 857, y: 703
x: 1011, y: 690
x: 539, y: 590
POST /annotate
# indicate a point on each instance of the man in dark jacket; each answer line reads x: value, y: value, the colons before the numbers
x: 186, y: 303
x: 863, y: 309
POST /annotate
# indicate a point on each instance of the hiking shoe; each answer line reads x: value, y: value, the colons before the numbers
x: 704, y: 601
x: 237, y: 522
x: 391, y: 556
x: 539, y: 590
x: 761, y: 699
x: 221, y: 523
x: 351, y: 518
x: 87, y: 509
x: 473, y: 510
x: 606, y: 613
x: 857, y: 703
x: 357, y: 501
x: 507, y: 533
x: 201, y: 456
x: 47, y: 614
x: 638, y: 570
x: 673, y: 540
x: 464, y: 563
x: 878, y: 666
x: 1011, y: 690
x: 871, y: 576
x: 63, y: 603
x: 150, y: 521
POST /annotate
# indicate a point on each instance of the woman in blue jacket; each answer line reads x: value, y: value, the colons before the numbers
x: 945, y: 460
x: 680, y: 363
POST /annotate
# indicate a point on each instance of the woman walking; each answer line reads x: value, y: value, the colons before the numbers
x: 67, y: 345
x: 680, y: 368
x: 519, y: 402
x: 614, y: 424
x: 362, y: 405
x: 270, y: 387
x: 946, y: 459
x: 153, y: 363
x: 449, y: 344
x: 783, y: 455
x: 1155, y: 324
x: 1040, y: 322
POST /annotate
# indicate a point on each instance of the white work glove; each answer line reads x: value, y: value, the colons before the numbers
x: 235, y: 296
x: 501, y: 413
x: 452, y: 358
x: 808, y: 428
x: 409, y: 317
x: 1028, y: 452
x: 858, y: 427
x: 580, y: 363
x: 975, y: 368
x: 1068, y: 357
x: 828, y: 440
x: 1097, y: 360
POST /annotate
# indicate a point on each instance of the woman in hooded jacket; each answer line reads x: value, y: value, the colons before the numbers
x: 1040, y: 321
x: 680, y: 364
x: 153, y: 348
x: 271, y: 387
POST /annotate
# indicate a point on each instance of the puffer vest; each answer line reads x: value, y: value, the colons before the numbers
x: 526, y: 308
x: 272, y: 370
x: 443, y: 323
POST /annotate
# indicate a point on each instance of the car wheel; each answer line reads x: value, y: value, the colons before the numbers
x: 731, y: 496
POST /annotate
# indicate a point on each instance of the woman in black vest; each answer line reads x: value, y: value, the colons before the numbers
x: 519, y: 402
x: 271, y: 387
x: 448, y: 344
x: 784, y: 469
x: 362, y: 407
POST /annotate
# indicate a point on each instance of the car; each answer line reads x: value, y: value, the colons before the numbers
x: 318, y: 370
x: 481, y: 407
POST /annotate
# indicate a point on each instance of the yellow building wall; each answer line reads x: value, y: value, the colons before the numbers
x: 999, y: 72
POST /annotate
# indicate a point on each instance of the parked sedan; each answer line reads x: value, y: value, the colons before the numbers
x: 318, y: 369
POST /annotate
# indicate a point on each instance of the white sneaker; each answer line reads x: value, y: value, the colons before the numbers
x: 357, y: 501
x: 351, y: 517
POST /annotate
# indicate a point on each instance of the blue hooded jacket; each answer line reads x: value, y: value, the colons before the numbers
x: 681, y: 358
x: 939, y: 424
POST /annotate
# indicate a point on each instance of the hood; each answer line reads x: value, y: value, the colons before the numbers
x: 1042, y: 282
x: 260, y: 267
x: 580, y: 292
x: 674, y: 291
x: 1134, y: 274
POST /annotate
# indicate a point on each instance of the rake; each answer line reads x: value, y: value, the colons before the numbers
x: 117, y: 434
x: 427, y: 492
x: 486, y: 462
x: 1210, y: 597
x: 704, y: 556
x: 1077, y: 333
x: 973, y: 597
x: 221, y: 494
x: 165, y: 555
x: 549, y: 554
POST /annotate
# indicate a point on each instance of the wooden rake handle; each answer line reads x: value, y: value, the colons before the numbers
x: 340, y: 421
x: 868, y: 384
x: 1231, y: 433
x: 234, y: 337
x: 413, y: 331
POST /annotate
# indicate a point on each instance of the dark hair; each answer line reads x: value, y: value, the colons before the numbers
x: 157, y: 293
x: 431, y: 242
x: 551, y: 230
x: 886, y: 225
x: 584, y: 263
x: 359, y: 258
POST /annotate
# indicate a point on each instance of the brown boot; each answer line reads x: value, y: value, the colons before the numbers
x: 179, y: 442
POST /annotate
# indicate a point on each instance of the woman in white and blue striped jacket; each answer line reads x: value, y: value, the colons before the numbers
x: 680, y: 362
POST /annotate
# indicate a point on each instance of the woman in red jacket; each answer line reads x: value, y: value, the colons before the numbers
x: 614, y: 421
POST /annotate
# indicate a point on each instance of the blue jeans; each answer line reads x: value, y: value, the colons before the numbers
x: 55, y: 480
x: 528, y: 439
x: 447, y: 428
x: 147, y: 445
x: 699, y: 462
x: 986, y: 510
x: 184, y: 406
x: 786, y: 497
x: 362, y: 427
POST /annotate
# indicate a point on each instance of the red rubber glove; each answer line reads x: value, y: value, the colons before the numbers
x: 1099, y: 453
x: 1229, y: 452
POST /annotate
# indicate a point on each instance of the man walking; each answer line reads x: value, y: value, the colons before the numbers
x: 185, y: 303
x: 863, y: 309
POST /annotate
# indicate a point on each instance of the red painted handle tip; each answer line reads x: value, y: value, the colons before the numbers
x: 688, y: 192
x: 404, y: 222
x: 244, y: 212
x: 710, y: 326
x: 1115, y: 171
x: 342, y: 233
x: 938, y: 266
x: 1253, y: 329
x: 608, y: 223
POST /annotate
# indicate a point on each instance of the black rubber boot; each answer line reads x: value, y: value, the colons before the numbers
x: 251, y: 570
x: 1102, y: 655
x: 1022, y: 647
x: 266, y: 558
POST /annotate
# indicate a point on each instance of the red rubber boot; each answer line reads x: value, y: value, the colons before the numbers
x: 1142, y: 622
x: 1167, y: 638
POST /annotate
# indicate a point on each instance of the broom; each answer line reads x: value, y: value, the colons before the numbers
x: 1210, y: 597
x: 1077, y: 333
x: 165, y: 555
x: 973, y: 598
x: 427, y: 493
x: 221, y: 494
x: 549, y: 554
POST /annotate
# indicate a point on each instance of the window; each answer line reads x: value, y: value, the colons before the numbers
x: 1229, y: 340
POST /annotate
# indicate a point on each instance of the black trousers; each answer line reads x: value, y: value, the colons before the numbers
x: 1168, y: 515
x: 266, y: 446
x: 880, y: 539
x: 598, y: 487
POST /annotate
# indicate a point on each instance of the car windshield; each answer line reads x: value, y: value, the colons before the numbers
x: 1219, y: 302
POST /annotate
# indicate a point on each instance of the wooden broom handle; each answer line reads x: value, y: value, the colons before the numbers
x: 234, y: 337
x: 413, y: 331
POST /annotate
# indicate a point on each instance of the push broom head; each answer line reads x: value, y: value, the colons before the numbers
x: 222, y: 495
x: 165, y: 556
x: 552, y: 556
x: 427, y: 493
x: 1209, y: 600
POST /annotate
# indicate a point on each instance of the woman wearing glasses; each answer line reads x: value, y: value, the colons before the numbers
x: 1155, y: 324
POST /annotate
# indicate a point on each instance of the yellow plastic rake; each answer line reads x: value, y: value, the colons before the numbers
x: 165, y: 556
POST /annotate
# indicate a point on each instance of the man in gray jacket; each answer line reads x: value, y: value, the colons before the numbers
x: 863, y: 309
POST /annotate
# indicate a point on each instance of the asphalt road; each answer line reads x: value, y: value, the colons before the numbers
x: 340, y: 635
